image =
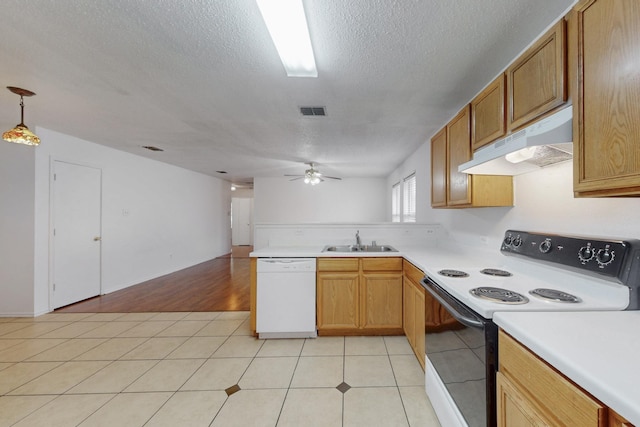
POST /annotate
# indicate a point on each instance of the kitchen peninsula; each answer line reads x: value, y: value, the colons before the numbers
x: 605, y: 384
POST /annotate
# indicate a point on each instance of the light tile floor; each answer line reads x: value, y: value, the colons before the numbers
x: 200, y: 369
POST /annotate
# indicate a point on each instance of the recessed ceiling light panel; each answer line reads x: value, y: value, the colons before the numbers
x: 287, y: 25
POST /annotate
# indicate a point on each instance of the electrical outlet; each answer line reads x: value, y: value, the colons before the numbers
x: 299, y: 233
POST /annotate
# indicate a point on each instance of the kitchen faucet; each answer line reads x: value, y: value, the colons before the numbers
x: 358, y: 243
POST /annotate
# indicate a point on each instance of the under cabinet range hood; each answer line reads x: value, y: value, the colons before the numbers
x: 541, y: 144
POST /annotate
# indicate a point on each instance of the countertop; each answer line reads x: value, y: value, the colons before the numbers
x: 599, y: 351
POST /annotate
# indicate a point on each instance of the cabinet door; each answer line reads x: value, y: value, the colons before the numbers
x: 514, y: 408
x: 607, y: 107
x: 536, y: 80
x: 552, y: 395
x: 409, y: 310
x: 439, y: 169
x: 458, y: 152
x: 381, y: 301
x: 413, y: 311
x: 419, y: 332
x: 338, y: 300
x: 488, y: 114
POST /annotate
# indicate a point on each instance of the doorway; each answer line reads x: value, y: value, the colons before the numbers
x: 76, y: 233
x: 241, y: 221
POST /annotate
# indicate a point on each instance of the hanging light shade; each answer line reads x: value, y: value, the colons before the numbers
x: 21, y: 133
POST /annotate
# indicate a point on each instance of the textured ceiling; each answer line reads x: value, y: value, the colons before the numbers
x: 202, y: 80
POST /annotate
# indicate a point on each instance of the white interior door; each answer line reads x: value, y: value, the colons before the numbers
x: 241, y: 223
x: 77, y: 195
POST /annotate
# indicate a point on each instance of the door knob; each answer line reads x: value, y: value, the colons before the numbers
x: 97, y: 239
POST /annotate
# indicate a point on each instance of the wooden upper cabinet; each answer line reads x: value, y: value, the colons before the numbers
x: 536, y: 80
x: 606, y: 115
x: 488, y: 114
x: 458, y: 152
x: 439, y: 169
x: 449, y: 188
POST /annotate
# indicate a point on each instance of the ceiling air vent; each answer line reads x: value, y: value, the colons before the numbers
x: 152, y: 148
x: 313, y: 111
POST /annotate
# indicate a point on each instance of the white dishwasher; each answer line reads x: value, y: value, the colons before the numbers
x: 286, y: 298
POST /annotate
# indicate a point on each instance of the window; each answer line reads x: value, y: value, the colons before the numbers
x: 395, y: 202
x: 409, y: 199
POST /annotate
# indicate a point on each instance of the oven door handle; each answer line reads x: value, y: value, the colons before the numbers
x: 461, y: 313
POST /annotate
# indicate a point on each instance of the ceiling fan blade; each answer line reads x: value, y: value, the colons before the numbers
x: 295, y: 179
x: 287, y: 174
x: 332, y: 177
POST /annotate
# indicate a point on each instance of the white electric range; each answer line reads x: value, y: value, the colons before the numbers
x: 539, y: 272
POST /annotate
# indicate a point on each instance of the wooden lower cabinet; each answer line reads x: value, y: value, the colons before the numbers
x: 359, y: 296
x: 382, y: 300
x: 414, y: 310
x: 515, y: 408
x: 338, y: 300
x: 532, y: 393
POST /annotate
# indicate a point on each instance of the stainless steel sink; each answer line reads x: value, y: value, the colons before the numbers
x: 361, y: 248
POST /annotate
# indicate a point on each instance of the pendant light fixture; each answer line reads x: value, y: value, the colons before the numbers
x: 21, y: 133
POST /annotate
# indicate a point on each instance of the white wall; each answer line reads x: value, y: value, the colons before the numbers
x: 16, y: 228
x: 156, y: 218
x: 352, y: 200
x: 543, y: 202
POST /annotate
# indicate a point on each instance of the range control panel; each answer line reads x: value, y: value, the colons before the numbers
x: 600, y: 256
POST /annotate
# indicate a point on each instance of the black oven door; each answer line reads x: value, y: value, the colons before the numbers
x: 465, y: 359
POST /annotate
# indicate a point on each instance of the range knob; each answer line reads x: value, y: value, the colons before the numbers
x: 586, y: 253
x: 545, y: 246
x: 517, y: 242
x: 605, y: 256
x: 508, y: 240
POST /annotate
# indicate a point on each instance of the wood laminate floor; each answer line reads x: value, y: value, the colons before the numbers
x: 220, y: 284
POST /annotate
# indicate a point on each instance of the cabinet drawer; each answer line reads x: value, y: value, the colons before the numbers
x: 412, y: 272
x: 382, y: 264
x: 337, y: 264
x: 568, y: 403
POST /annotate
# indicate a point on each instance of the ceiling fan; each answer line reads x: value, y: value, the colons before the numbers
x: 312, y: 176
